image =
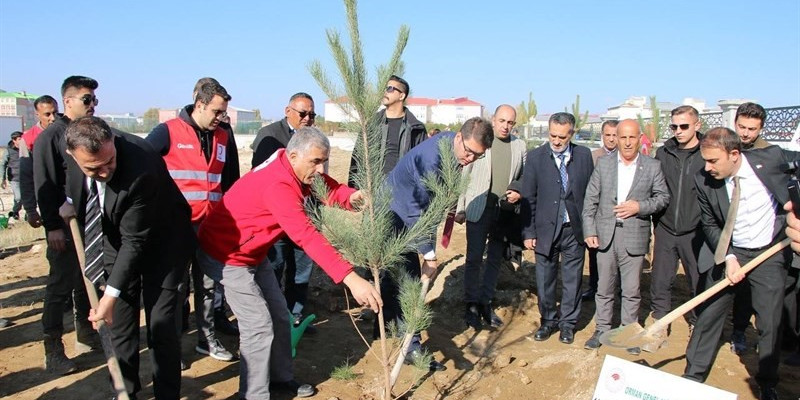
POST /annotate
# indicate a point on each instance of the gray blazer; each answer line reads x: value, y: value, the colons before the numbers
x: 649, y: 189
x: 473, y: 201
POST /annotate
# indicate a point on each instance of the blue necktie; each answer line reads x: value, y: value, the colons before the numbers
x: 562, y: 169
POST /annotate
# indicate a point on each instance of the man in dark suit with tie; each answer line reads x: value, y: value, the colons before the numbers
x: 740, y: 202
x: 143, y: 222
x: 553, y: 184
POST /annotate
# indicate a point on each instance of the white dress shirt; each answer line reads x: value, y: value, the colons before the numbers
x: 625, y: 174
x: 755, y: 219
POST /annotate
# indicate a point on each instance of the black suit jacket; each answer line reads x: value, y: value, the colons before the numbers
x: 768, y: 165
x: 269, y: 139
x: 541, y: 192
x: 146, y: 220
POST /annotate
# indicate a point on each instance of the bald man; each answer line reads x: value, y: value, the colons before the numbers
x: 493, y: 180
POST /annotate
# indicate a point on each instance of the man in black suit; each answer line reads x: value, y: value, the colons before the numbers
x: 758, y: 223
x: 554, y: 184
x: 285, y: 256
x: 147, y: 243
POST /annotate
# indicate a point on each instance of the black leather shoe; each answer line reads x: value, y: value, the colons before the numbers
x: 293, y: 387
x: 567, y: 336
x: 223, y: 325
x: 593, y: 342
x: 184, y: 365
x: 768, y: 393
x: 413, y: 355
x: 489, y: 316
x: 472, y: 317
x: 544, y: 333
x: 588, y: 295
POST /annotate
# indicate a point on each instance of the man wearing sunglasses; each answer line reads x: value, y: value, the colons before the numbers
x: 554, y: 185
x: 202, y: 157
x: 285, y: 256
x: 49, y: 176
x: 677, y: 232
x: 400, y: 129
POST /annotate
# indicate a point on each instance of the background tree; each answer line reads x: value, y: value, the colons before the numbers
x: 526, y: 111
x: 369, y: 240
x: 257, y: 114
x: 149, y: 119
x: 580, y: 119
x: 653, y: 127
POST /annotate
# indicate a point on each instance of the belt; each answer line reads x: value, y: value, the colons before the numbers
x: 754, y: 249
x: 619, y: 224
x: 566, y: 224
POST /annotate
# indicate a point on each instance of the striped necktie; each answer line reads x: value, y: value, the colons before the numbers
x: 562, y: 169
x: 93, y: 236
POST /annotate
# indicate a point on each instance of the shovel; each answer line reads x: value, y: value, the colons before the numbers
x: 633, y: 335
x: 102, y: 328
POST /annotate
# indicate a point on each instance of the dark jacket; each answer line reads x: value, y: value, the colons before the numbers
x: 269, y: 139
x: 542, y: 202
x: 10, y: 164
x: 146, y: 221
x: 49, y: 166
x: 412, y: 133
x: 682, y: 214
x: 159, y: 140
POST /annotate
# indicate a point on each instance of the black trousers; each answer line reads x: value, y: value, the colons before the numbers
x: 64, y: 280
x: 565, y: 316
x: 667, y: 250
x: 161, y: 311
x: 767, y: 283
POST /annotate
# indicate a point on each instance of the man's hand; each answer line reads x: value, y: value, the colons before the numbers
x: 512, y: 196
x: 530, y: 244
x: 627, y: 209
x: 429, y: 269
x: 460, y: 217
x: 364, y: 293
x: 67, y: 211
x: 57, y: 240
x: 732, y: 270
x: 793, y: 227
x: 592, y: 242
x: 34, y: 219
x: 3, y: 184
x: 357, y: 199
x: 104, y: 311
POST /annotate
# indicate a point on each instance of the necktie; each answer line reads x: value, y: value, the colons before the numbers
x: 730, y: 221
x: 562, y: 169
x: 93, y: 236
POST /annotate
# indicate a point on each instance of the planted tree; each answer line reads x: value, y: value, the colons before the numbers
x: 368, y: 239
x: 580, y: 119
x: 653, y: 127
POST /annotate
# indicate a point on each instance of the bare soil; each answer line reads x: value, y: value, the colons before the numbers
x: 500, y: 364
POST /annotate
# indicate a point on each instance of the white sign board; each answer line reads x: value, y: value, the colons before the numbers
x: 623, y: 380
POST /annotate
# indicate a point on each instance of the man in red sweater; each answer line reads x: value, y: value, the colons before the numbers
x: 263, y: 206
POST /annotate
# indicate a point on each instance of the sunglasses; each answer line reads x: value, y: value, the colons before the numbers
x: 303, y: 114
x: 390, y: 89
x: 88, y: 99
x: 674, y: 127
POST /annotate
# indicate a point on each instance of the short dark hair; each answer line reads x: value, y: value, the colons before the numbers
x: 300, y: 95
x: 78, y: 82
x: 479, y: 129
x: 562, y: 118
x: 406, y: 89
x: 201, y: 82
x: 721, y: 138
x: 684, y: 110
x: 15, y: 134
x: 89, y: 133
x: 611, y: 122
x: 46, y: 99
x: 209, y: 90
x: 751, y: 110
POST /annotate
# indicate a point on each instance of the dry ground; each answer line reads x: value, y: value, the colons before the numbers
x: 502, y: 364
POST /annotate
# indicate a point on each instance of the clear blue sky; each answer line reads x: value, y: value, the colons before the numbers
x: 150, y: 53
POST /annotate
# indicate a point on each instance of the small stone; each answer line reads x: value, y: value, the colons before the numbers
x: 521, y: 363
x: 333, y: 398
x: 36, y: 248
x: 524, y: 379
x: 502, y: 360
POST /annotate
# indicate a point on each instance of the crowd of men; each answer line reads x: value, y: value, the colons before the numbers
x: 153, y: 209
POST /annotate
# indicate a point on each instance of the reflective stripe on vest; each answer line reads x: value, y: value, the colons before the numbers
x: 200, y: 196
x: 188, y: 174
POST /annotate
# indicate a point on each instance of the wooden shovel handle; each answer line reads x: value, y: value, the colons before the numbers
x: 722, y: 284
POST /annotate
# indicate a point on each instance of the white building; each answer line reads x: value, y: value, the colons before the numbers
x: 634, y: 106
x: 427, y: 110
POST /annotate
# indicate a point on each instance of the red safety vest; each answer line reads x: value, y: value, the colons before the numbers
x: 199, y: 181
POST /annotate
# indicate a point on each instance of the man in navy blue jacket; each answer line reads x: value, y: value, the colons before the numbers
x: 411, y: 198
x: 554, y: 184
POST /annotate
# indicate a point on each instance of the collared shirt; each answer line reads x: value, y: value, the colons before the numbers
x: 625, y: 174
x: 101, y: 193
x: 755, y: 219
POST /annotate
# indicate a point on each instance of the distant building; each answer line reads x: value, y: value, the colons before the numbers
x: 427, y: 110
x: 166, y: 115
x: 634, y: 106
x: 237, y: 115
x: 18, y: 104
x: 125, y: 122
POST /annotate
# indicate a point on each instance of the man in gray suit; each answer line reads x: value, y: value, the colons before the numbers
x: 624, y: 191
x: 492, y: 179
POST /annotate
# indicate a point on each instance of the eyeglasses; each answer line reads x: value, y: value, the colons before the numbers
x: 674, y: 127
x: 303, y: 114
x: 220, y: 114
x: 88, y: 99
x: 475, y: 155
x: 390, y: 89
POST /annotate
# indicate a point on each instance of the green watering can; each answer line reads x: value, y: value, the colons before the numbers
x: 297, y: 332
